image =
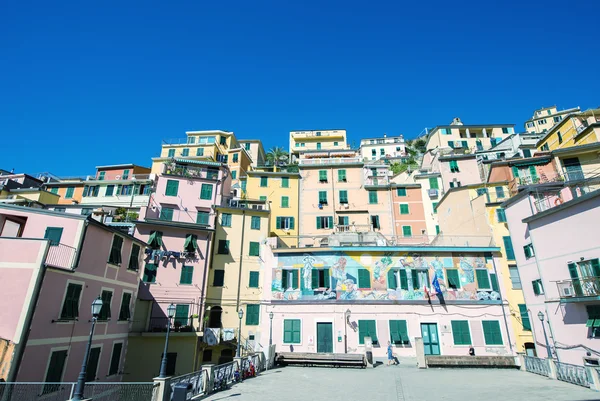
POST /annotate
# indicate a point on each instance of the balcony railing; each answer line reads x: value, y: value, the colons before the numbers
x: 140, y: 177
x: 330, y: 161
x: 180, y: 216
x: 237, y: 203
x: 190, y: 172
x: 61, y: 255
x: 317, y: 135
x: 178, y: 324
x: 581, y: 287
x: 379, y: 181
x: 354, y: 228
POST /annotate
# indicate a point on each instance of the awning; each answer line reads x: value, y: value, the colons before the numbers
x: 532, y: 162
x: 199, y: 162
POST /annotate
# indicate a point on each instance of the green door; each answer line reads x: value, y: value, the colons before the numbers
x: 431, y: 341
x: 324, y: 337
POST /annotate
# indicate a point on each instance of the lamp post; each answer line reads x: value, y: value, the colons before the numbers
x: 270, y: 329
x: 163, y: 364
x: 346, y: 318
x: 78, y: 394
x: 541, y: 317
x: 240, y: 315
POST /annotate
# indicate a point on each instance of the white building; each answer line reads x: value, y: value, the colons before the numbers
x: 382, y: 147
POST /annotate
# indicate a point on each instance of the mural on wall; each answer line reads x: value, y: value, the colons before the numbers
x: 383, y: 276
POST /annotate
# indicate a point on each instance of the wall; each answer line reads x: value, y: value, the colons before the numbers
x: 431, y: 218
x: 390, y: 150
x: 77, y: 194
x: 459, y: 214
x: 116, y: 200
x: 416, y: 216
x: 468, y: 172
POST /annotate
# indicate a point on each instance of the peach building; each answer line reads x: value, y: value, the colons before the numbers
x: 408, y: 210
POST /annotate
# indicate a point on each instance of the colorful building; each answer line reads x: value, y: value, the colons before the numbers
x: 54, y: 265
x: 468, y: 137
x: 408, y: 210
x: 307, y: 141
x: 545, y: 118
x: 581, y: 128
x: 70, y: 190
x: 23, y: 189
x: 255, y: 150
x: 385, y: 147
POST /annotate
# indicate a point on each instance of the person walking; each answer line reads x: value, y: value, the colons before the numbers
x: 390, y: 354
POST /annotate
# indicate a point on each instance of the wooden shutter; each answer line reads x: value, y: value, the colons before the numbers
x: 54, y: 234
x: 254, y: 249
x: 364, y: 278
x: 319, y: 225
x: 575, y: 279
x: 372, y: 197
x: 172, y: 188
x: 391, y: 279
x: 284, y: 279
x: 403, y: 330
x: 491, y: 332
x: 460, y: 332
x: 92, y: 367
x: 278, y: 223
x: 453, y: 278
x: 322, y: 175
x: 494, y: 282
x: 291, y: 223
x: 596, y: 267
x: 515, y: 171
x: 407, y: 231
x: 415, y: 279
x: 56, y: 366
x: 115, y: 358
x: 524, y: 317
x: 510, y: 253
x: 295, y: 279
x: 326, y: 278
x: 315, y: 278
x: 253, y: 281
x: 330, y: 222
x: 533, y: 174
x: 288, y: 328
x: 403, y: 279
x: 125, y: 312
x: 187, y: 272
x: 296, y: 326
x: 483, y: 280
x: 395, y: 337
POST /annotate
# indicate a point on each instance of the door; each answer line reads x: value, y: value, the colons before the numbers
x: 324, y: 337
x: 573, y: 169
x: 431, y: 341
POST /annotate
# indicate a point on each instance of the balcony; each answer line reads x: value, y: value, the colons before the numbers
x: 61, y: 256
x: 167, y: 214
x: 356, y: 228
x: 249, y: 204
x: 330, y: 161
x: 379, y: 181
x: 132, y: 177
x: 181, y: 170
x: 571, y: 290
x: 315, y: 135
x: 178, y: 325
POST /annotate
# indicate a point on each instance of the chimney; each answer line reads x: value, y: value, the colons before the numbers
x: 456, y: 121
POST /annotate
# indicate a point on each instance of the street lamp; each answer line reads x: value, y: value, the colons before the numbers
x: 240, y: 315
x: 270, y: 329
x: 163, y: 364
x: 346, y: 318
x: 541, y: 317
x: 78, y: 394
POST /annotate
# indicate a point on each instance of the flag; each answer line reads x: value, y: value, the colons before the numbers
x: 436, y: 284
x: 427, y: 292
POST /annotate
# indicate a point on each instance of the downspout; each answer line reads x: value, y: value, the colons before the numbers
x: 80, y: 246
x: 333, y: 199
x: 503, y: 308
x: 240, y: 269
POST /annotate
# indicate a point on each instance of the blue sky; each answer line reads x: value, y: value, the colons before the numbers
x: 95, y: 83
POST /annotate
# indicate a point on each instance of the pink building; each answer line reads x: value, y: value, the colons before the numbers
x: 458, y: 170
x: 555, y: 244
x: 53, y: 265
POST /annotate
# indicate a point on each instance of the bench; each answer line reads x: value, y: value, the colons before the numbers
x: 464, y: 361
x: 320, y: 359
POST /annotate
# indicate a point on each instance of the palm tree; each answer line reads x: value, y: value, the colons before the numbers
x: 277, y: 156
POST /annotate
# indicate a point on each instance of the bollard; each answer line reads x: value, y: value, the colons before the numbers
x: 592, y: 373
x: 520, y: 361
x: 164, y: 388
x: 209, y: 380
x: 552, y: 366
x: 420, y: 349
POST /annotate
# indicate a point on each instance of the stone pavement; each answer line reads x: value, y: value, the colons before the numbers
x: 401, y: 383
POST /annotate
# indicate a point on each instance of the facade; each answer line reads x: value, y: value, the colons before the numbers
x: 408, y: 210
x: 560, y: 283
x: 576, y: 129
x: 458, y: 169
x: 69, y: 190
x: 545, y: 118
x: 469, y: 138
x: 23, y: 189
x: 254, y: 148
x: 472, y: 211
x: 334, y: 299
x: 382, y: 148
x: 57, y: 265
x: 178, y: 225
x: 326, y: 140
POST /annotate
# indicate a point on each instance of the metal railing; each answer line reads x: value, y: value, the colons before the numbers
x: 224, y: 374
x: 333, y: 160
x: 106, y: 391
x: 178, y: 325
x: 178, y: 215
x: 141, y: 177
x: 572, y: 374
x: 186, y: 141
x: 61, y: 255
x: 180, y: 170
x: 237, y: 203
x: 353, y: 228
x: 537, y: 365
x: 378, y: 181
x: 579, y: 287
x: 196, y: 379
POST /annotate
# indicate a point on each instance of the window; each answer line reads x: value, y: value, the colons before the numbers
x: 434, y: 205
x: 454, y: 166
x: 342, y: 175
x: 373, y: 152
x: 191, y: 140
x: 375, y: 222
x: 234, y: 174
x: 322, y: 175
x: 335, y: 143
x: 320, y: 278
x: 252, y: 314
x: 542, y: 121
x: 460, y: 332
x: 526, y: 153
x: 172, y: 188
x: 289, y: 279
x: 528, y: 249
x: 223, y: 248
x: 115, y: 250
x: 504, y: 130
x: 171, y: 153
x: 255, y: 223
x: 478, y: 144
x: 406, y: 231
x: 254, y: 249
x: 501, y: 215
x: 318, y: 133
x: 134, y: 258
x: 203, y: 218
x: 291, y: 331
x: 451, y: 144
x: 302, y: 145
x: 593, y: 321
x: 560, y: 138
x: 264, y: 182
x: 284, y: 223
x: 483, y: 279
x: 125, y: 311
x: 324, y: 222
x: 420, y: 278
x: 53, y: 234
x: 70, y: 308
x: 244, y: 183
x: 343, y: 196
x: 491, y: 332
x: 499, y: 192
x: 510, y: 253
x: 149, y: 273
x: 182, y: 315
x: 54, y: 190
x: 366, y: 328
x: 187, y: 272
x: 226, y: 219
x: 538, y: 288
x: 109, y: 190
x: 395, y: 277
x: 453, y: 279
x: 433, y: 183
x: 446, y: 131
x: 166, y: 213
x: 404, y: 208
x: 524, y: 317
x: 318, y: 146
x: 185, y: 152
x: 69, y: 193
x: 236, y: 157
x: 481, y: 191
x: 253, y: 280
x: 54, y: 374
x: 515, y: 279
x: 285, y: 201
x: 372, y: 197
x: 382, y: 152
x: 322, y: 197
x: 545, y: 147
x: 219, y: 278
x: 364, y: 278
x: 247, y: 146
x: 557, y: 119
x: 262, y: 198
x: 399, y: 332
x: 106, y: 300
x: 199, y: 151
x: 401, y: 191
x: 206, y: 191
x: 285, y: 182
x: 86, y: 211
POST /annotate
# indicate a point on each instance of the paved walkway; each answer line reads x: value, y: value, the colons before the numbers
x: 401, y: 383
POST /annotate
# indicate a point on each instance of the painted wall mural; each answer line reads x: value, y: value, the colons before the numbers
x: 383, y: 276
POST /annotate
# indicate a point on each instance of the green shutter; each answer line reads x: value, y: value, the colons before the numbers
x: 285, y: 182
x: 407, y: 231
x: 372, y: 197
x: 223, y: 247
x: 344, y: 196
x: 284, y: 279
x: 453, y: 278
x: 264, y: 181
x: 278, y: 223
x: 206, y: 191
x: 404, y: 208
x: 69, y: 193
x: 252, y: 315
x: 255, y: 223
x: 172, y: 188
x: 150, y: 271
x: 364, y: 278
x: 391, y: 279
x: 187, y: 272
x: 254, y: 249
x: 53, y: 234
x: 330, y: 220
x: 415, y: 279
x: 70, y: 309
x: 575, y: 279
x: 182, y: 315
x: 491, y: 332
x: 536, y: 287
x: 533, y: 174
x: 483, y: 279
x: 287, y: 331
x: 501, y: 215
x: 524, y: 317
x: 166, y: 213
x: 291, y: 223
x: 401, y: 191
x: 515, y: 171
x: 115, y: 358
x: 499, y: 192
x: 124, y: 312
x: 460, y: 332
x: 323, y: 175
x: 315, y: 278
x: 319, y: 225
x: 295, y: 279
x: 494, y: 282
x: 285, y: 201
x: 253, y: 282
x: 403, y: 279
x: 342, y: 175
x: 510, y: 253
x: 433, y: 183
x: 226, y: 220
x: 326, y: 278
x: 398, y: 332
x: 596, y: 267
x: 323, y: 197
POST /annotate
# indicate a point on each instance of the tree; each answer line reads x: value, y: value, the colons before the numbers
x: 420, y: 145
x: 277, y: 156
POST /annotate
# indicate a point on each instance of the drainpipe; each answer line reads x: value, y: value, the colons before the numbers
x: 503, y: 309
x: 333, y: 198
x: 80, y: 246
x: 237, y: 302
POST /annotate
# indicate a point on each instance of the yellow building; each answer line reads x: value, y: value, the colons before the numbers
x: 235, y: 278
x: 70, y: 191
x: 545, y: 118
x: 281, y: 190
x: 475, y: 210
x: 575, y: 129
x: 306, y: 141
x: 467, y: 137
